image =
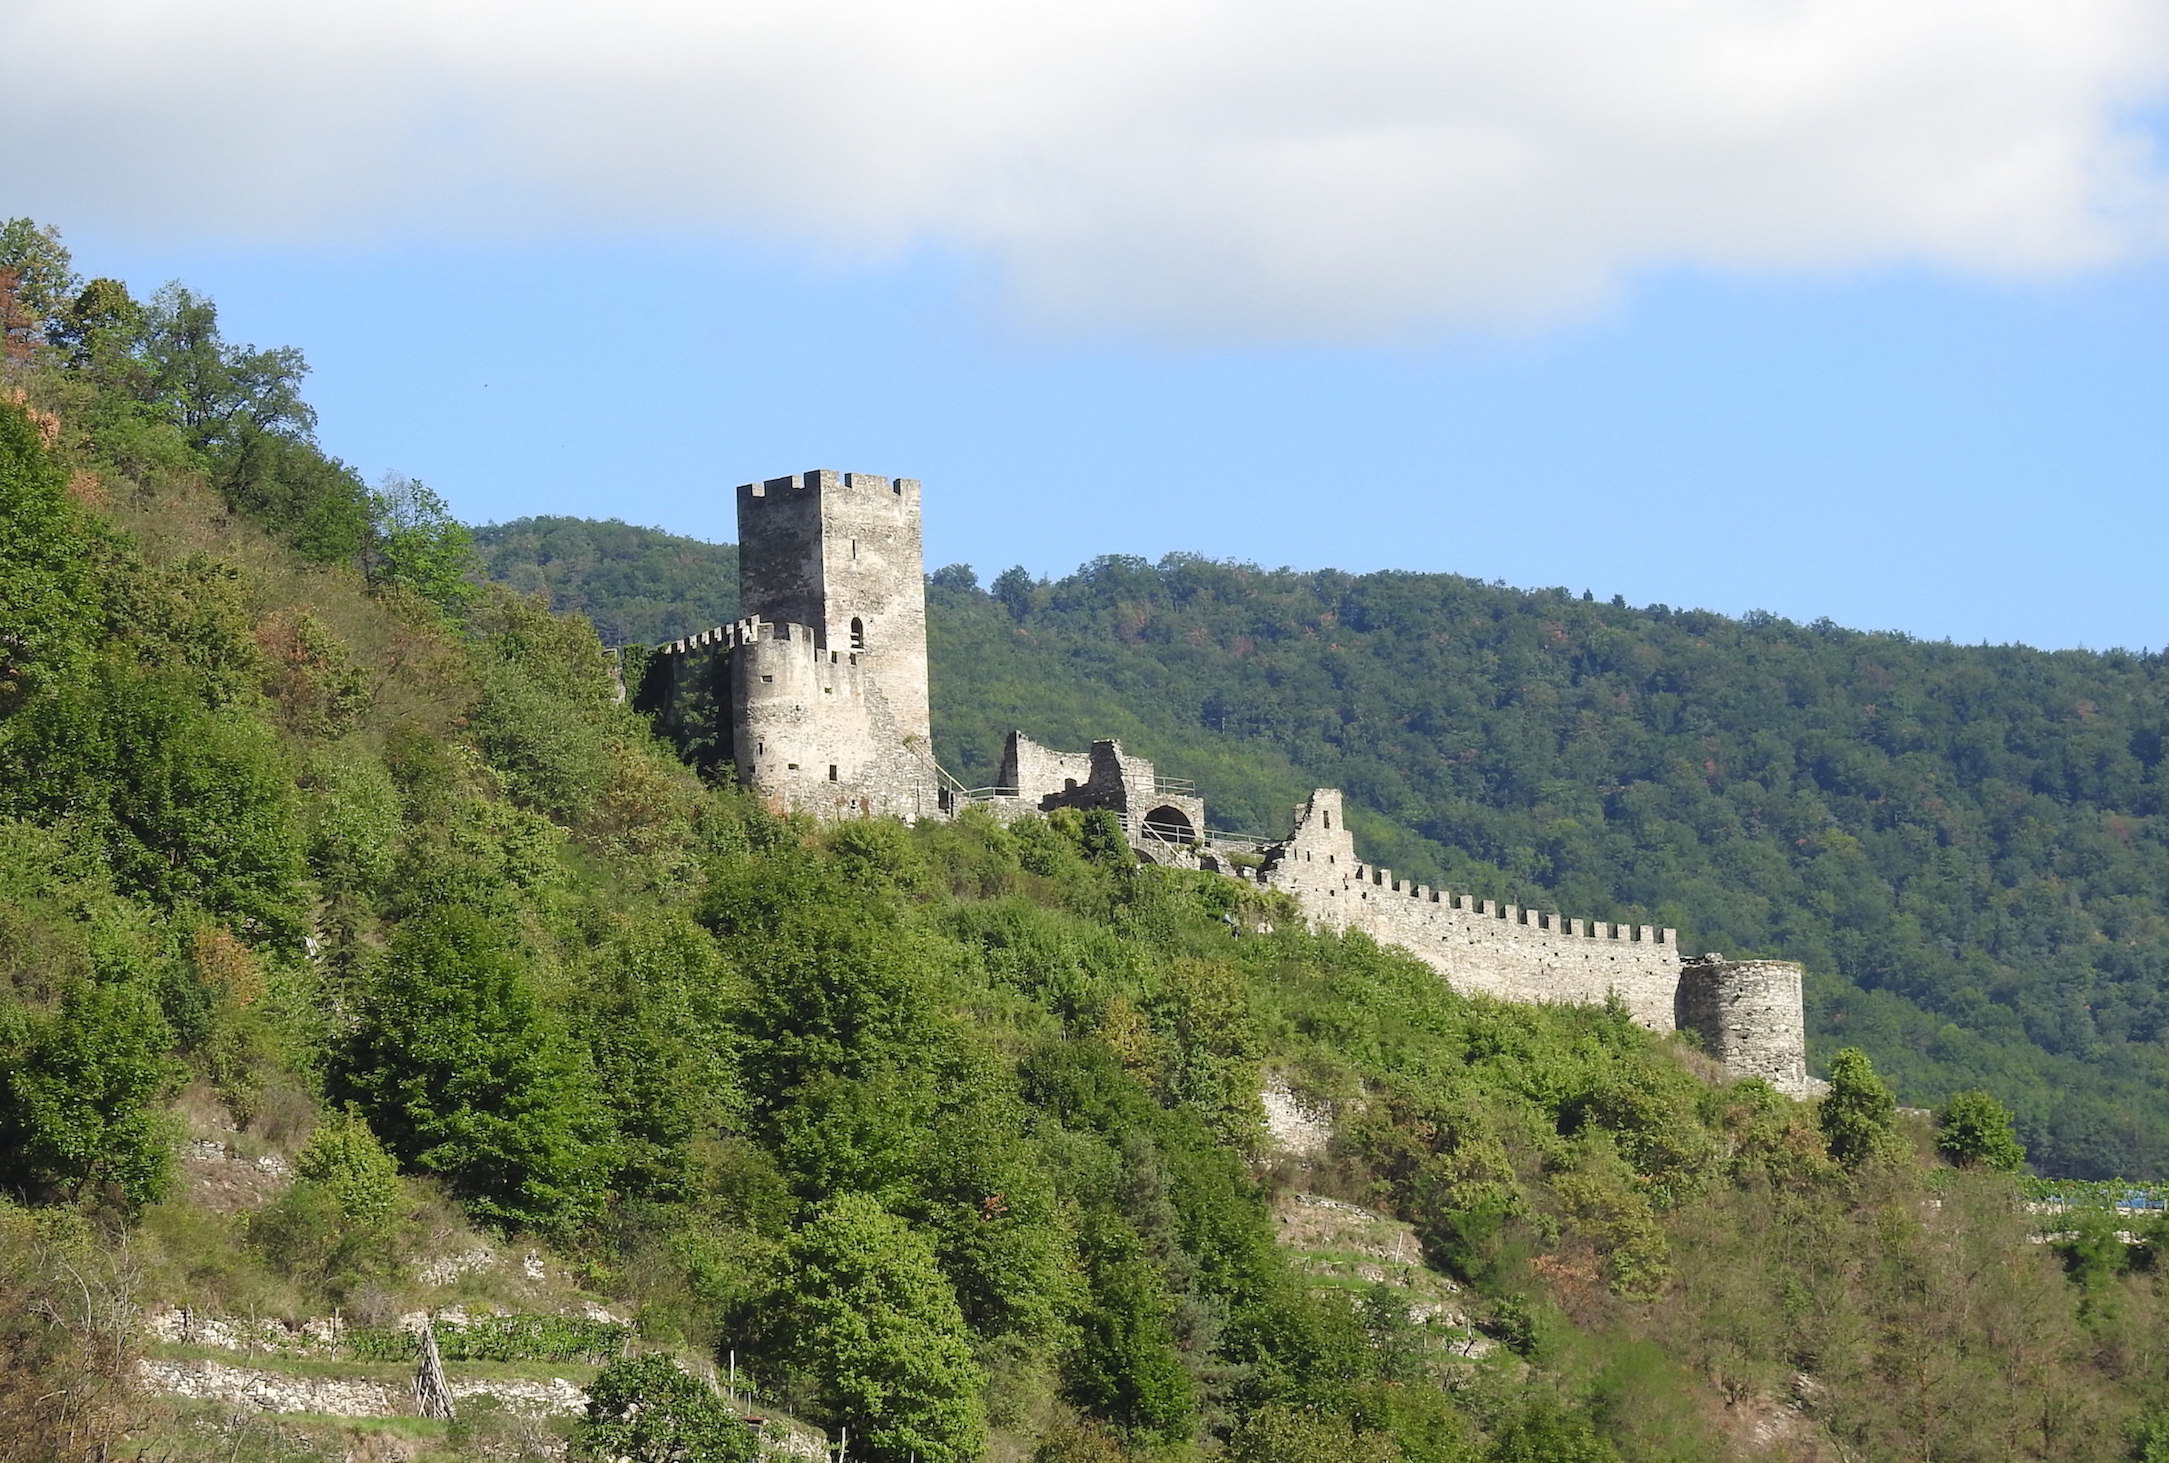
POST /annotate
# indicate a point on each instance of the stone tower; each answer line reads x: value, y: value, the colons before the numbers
x: 1751, y: 1016
x: 827, y: 674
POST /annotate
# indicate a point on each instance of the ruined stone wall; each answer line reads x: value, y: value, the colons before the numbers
x: 1112, y: 779
x: 1478, y: 945
x: 1034, y: 773
x: 1751, y: 1015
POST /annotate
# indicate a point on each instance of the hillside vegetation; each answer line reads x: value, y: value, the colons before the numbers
x: 637, y: 586
x: 359, y: 878
x: 1966, y: 845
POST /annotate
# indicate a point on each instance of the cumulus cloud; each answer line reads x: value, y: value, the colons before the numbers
x: 1203, y: 169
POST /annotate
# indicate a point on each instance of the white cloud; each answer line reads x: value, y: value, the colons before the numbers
x: 1198, y: 169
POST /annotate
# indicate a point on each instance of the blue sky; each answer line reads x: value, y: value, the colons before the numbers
x: 1892, y: 351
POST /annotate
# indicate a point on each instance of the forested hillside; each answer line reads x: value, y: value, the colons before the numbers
x: 637, y: 586
x: 1966, y: 845
x: 363, y: 959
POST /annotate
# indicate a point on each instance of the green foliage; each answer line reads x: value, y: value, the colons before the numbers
x: 193, y: 806
x: 419, y: 545
x: 344, y: 1159
x: 36, y: 277
x: 872, y: 1321
x: 78, y: 1094
x: 352, y: 823
x: 1858, y: 1115
x: 49, y: 598
x: 1128, y: 1369
x: 1541, y: 1431
x: 640, y: 586
x: 1972, y: 1128
x: 1279, y: 1434
x: 656, y: 1014
x: 644, y: 1409
x: 465, y: 1072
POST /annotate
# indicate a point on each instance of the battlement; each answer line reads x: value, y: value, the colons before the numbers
x: 754, y: 632
x: 1535, y: 919
x: 826, y: 484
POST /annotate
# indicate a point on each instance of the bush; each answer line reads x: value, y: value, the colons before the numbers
x: 644, y: 1409
x: 1859, y: 1116
x: 1973, y: 1130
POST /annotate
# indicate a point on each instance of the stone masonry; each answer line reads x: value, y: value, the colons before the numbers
x: 1479, y: 945
x: 818, y: 699
x: 1154, y: 808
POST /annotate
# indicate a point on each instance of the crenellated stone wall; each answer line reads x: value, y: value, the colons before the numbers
x: 1478, y: 945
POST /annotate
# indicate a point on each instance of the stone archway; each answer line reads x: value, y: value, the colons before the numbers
x: 1170, y: 825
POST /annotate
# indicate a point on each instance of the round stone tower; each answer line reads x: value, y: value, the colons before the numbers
x: 1750, y: 1016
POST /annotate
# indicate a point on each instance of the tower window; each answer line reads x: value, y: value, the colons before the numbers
x: 831, y: 772
x: 858, y: 633
x: 854, y: 549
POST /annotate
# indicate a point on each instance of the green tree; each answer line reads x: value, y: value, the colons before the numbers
x: 193, y: 806
x: 214, y: 391
x: 78, y: 1094
x: 1973, y: 1130
x: 645, y: 1409
x: 1858, y: 1115
x: 101, y: 334
x: 420, y: 545
x: 464, y: 1072
x: 870, y: 1319
x: 49, y: 598
x: 36, y: 278
x: 1540, y: 1430
x: 1127, y: 1368
x: 1013, y: 589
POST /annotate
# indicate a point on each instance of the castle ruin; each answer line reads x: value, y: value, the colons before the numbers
x: 817, y: 698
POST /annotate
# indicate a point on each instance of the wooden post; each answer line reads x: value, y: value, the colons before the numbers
x: 431, y: 1392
